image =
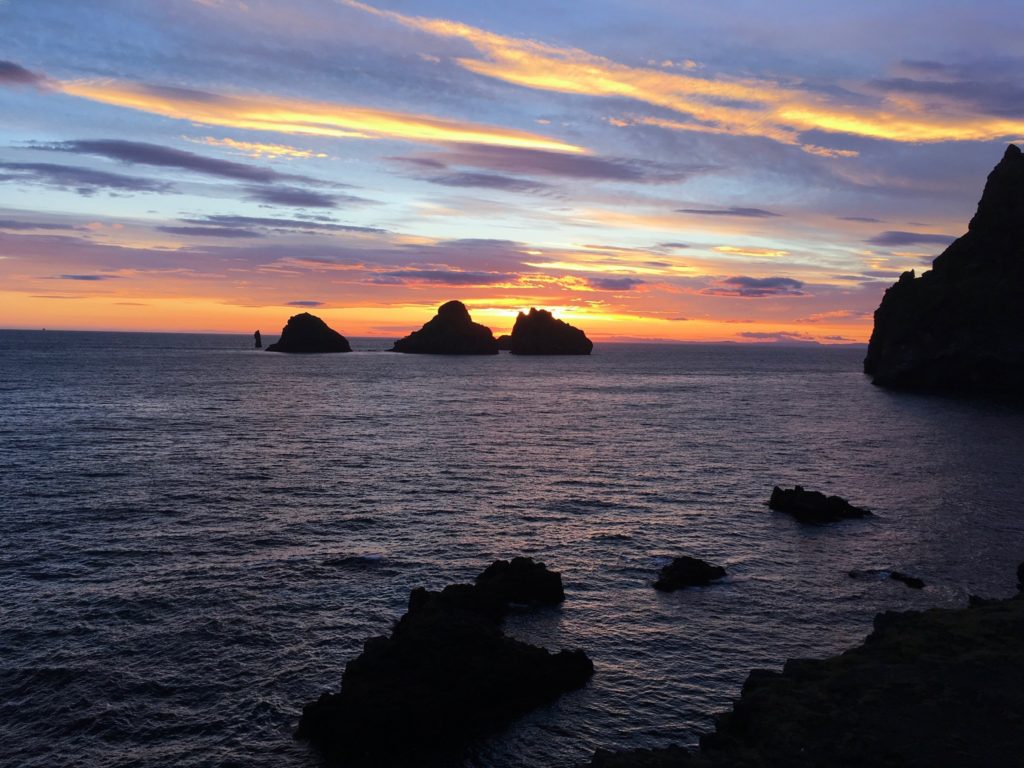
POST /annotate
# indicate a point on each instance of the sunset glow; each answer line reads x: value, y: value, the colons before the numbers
x: 219, y: 166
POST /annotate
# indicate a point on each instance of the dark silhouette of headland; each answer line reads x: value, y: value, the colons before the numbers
x: 308, y: 334
x: 960, y: 326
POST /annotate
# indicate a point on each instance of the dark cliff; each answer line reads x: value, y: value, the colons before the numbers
x: 959, y: 326
x: 450, y: 332
x: 540, y: 333
x: 308, y: 334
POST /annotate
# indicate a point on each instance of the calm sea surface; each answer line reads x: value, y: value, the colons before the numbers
x: 196, y: 536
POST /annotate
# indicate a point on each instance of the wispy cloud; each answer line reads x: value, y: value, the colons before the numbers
x: 300, y: 117
x: 726, y: 105
x: 305, y: 303
x: 84, y: 181
x: 228, y: 232
x: 14, y: 74
x: 749, y: 213
x: 896, y: 238
x: 614, y: 283
x: 296, y: 197
x: 756, y: 287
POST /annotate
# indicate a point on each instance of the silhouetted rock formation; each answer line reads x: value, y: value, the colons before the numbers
x: 911, y: 581
x: 943, y: 688
x: 504, y: 342
x: 958, y: 326
x: 450, y: 332
x: 687, y: 572
x: 813, y: 506
x: 308, y: 334
x: 539, y: 333
x: 257, y: 340
x: 446, y: 673
x: 521, y: 581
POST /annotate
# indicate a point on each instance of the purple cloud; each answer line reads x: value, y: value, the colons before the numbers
x: 84, y: 181
x: 442, y: 277
x: 232, y: 232
x: 751, y: 213
x: 897, y: 238
x: 305, y: 303
x: 489, y: 181
x: 756, y: 287
x: 614, y: 283
x: 294, y: 197
x: 15, y: 74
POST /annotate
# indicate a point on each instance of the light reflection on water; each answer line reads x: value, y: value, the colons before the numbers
x: 197, y: 536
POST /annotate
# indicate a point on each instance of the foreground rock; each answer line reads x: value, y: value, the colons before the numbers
x: 687, y: 572
x: 943, y: 688
x: 540, y: 333
x: 813, y: 506
x: 957, y: 327
x: 451, y: 332
x: 446, y: 673
x: 308, y: 334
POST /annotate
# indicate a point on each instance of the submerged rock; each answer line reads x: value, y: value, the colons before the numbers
x: 911, y: 581
x: 540, y: 333
x: 813, y: 506
x: 942, y: 688
x: 451, y: 332
x: 446, y: 673
x: 308, y: 334
x: 958, y: 326
x: 687, y: 572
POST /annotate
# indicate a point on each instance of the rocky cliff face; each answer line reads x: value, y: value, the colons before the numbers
x: 540, y: 333
x: 306, y: 333
x: 450, y: 332
x: 960, y: 326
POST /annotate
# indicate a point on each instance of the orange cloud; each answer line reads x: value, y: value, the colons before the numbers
x: 728, y: 105
x: 294, y: 116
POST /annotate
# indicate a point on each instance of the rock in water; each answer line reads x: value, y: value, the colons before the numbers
x: 942, y: 688
x: 450, y: 332
x: 504, y: 342
x: 446, y: 674
x: 958, y: 326
x: 308, y: 334
x: 539, y: 333
x: 257, y: 340
x: 813, y: 506
x: 687, y: 572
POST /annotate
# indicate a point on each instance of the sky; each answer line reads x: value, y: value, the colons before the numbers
x: 652, y: 169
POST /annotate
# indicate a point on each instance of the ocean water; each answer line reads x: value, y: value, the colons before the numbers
x: 196, y: 536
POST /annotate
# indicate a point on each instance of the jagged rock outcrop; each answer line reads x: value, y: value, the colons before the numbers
x: 540, y: 333
x: 446, y: 673
x: 687, y: 572
x: 942, y: 688
x: 308, y: 334
x: 451, y: 332
x: 904, y: 578
x: 813, y: 506
x: 959, y: 326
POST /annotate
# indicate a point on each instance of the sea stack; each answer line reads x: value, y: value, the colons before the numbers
x: 257, y: 340
x: 451, y: 332
x: 308, y: 334
x: 540, y: 333
x: 958, y: 326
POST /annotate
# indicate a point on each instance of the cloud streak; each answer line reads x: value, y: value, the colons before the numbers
x: 718, y: 105
x: 756, y: 287
x: 300, y: 117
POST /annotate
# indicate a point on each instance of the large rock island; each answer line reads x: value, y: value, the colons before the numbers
x: 540, y: 333
x: 451, y: 332
x: 308, y: 334
x: 942, y: 688
x: 959, y: 326
x: 446, y: 674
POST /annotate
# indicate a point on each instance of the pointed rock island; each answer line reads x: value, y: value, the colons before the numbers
x: 958, y: 326
x: 540, y: 333
x: 451, y: 332
x: 308, y: 334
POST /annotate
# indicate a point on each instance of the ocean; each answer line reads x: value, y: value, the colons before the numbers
x: 195, y: 536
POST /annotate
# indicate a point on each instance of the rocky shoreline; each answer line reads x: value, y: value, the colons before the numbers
x: 927, y: 689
